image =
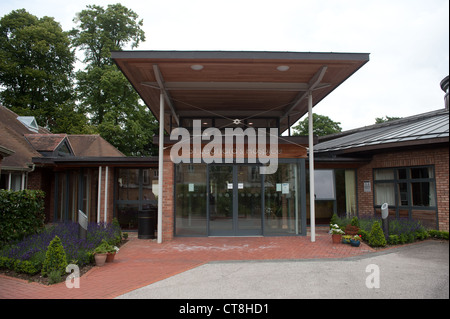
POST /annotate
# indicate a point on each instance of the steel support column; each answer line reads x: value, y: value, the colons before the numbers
x: 312, y: 204
x: 160, y: 167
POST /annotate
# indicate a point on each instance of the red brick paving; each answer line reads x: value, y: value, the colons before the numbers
x: 142, y: 262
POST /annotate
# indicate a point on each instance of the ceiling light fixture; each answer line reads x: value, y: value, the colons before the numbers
x: 196, y: 67
x: 283, y: 68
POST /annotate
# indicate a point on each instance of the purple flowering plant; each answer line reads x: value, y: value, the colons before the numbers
x: 78, y: 251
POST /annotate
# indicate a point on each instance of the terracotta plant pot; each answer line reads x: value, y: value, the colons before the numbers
x: 110, y: 257
x: 100, y: 259
x: 336, y: 238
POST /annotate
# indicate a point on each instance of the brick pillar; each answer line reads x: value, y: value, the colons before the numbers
x: 168, y: 204
x: 106, y: 191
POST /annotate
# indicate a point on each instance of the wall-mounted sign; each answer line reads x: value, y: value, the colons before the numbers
x: 367, y: 187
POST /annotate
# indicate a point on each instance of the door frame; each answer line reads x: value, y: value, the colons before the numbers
x: 235, y: 231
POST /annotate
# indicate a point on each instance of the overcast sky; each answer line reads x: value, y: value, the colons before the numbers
x: 408, y: 42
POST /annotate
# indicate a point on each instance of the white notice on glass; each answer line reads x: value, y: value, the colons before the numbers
x: 240, y: 185
x: 230, y: 185
x: 191, y: 187
x: 285, y: 188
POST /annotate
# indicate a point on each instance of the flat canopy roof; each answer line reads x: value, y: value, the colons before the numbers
x: 235, y: 84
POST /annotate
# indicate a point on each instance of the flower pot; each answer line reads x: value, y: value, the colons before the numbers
x: 100, y: 259
x: 355, y: 243
x: 110, y: 257
x: 336, y: 238
x: 346, y: 239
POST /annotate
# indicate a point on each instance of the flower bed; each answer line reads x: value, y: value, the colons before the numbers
x: 27, y: 256
x: 401, y: 230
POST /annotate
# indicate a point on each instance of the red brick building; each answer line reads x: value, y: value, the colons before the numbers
x: 77, y: 172
x: 404, y: 163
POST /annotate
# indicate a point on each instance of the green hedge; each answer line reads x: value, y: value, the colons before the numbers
x: 21, y: 214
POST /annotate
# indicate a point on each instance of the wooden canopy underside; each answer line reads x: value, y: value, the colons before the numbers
x: 235, y: 85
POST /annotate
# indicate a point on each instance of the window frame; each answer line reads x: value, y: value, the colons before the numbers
x: 408, y: 194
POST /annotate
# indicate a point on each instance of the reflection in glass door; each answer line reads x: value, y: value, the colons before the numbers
x: 235, y: 200
x: 249, y: 212
x: 221, y: 200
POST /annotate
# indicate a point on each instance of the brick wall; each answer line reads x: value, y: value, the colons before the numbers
x: 43, y: 179
x: 437, y: 157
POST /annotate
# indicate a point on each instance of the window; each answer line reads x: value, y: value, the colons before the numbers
x: 136, y: 189
x: 324, y: 184
x: 14, y: 181
x: 407, y: 189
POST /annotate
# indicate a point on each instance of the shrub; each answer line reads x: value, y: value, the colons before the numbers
x: 364, y: 234
x: 55, y: 258
x: 355, y: 222
x: 376, y: 236
x: 438, y: 234
x: 393, y: 240
x: 21, y: 214
x: 54, y: 277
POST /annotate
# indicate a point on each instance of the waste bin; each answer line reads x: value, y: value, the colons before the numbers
x: 147, y: 223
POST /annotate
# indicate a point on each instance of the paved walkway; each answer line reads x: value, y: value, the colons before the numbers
x: 143, y: 262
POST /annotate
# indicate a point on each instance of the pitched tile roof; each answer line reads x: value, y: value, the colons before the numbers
x: 93, y: 146
x: 26, y: 143
x: 12, y: 134
x: 45, y: 142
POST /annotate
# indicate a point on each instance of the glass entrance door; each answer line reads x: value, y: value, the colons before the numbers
x: 235, y: 200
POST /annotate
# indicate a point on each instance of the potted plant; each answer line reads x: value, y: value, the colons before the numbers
x: 111, y: 254
x: 336, y: 233
x: 346, y: 239
x: 355, y: 241
x: 101, y: 252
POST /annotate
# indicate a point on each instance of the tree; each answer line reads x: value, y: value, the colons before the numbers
x: 101, y: 31
x: 379, y: 120
x: 113, y: 105
x: 36, y: 68
x: 322, y: 125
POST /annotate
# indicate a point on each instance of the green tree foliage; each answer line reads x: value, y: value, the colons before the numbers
x: 322, y: 125
x: 112, y: 103
x: 55, y: 258
x: 379, y: 120
x: 36, y: 70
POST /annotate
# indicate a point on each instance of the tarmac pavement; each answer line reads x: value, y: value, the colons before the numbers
x: 415, y: 271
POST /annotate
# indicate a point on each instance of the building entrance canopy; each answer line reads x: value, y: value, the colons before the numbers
x: 240, y: 90
x: 233, y: 85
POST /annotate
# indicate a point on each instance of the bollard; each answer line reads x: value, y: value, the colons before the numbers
x: 384, y: 219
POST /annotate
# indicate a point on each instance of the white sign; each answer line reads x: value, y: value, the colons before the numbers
x: 191, y: 187
x: 230, y: 185
x: 240, y: 185
x: 285, y: 188
x: 366, y: 186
